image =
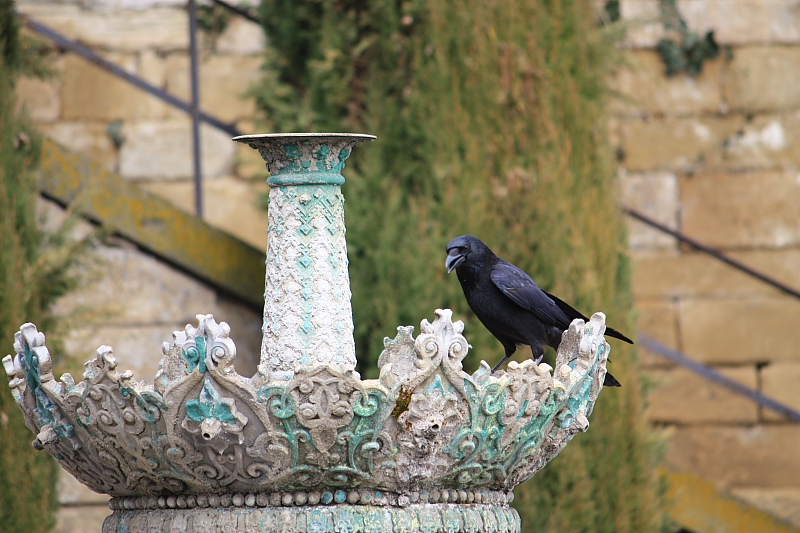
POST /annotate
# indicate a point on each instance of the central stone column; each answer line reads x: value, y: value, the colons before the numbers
x: 308, y: 318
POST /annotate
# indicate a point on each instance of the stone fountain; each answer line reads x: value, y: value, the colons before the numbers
x: 305, y: 444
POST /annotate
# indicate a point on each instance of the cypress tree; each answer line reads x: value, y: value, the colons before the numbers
x: 33, y: 273
x: 490, y: 121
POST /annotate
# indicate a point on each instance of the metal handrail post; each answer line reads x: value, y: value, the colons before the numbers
x: 195, y: 109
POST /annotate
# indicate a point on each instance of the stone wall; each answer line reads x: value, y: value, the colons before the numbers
x: 717, y: 157
x: 135, y: 134
x: 137, y: 299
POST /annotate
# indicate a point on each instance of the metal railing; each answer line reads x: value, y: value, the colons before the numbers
x: 198, y: 116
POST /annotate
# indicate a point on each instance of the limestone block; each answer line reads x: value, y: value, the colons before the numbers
x: 41, y: 99
x: 138, y: 348
x: 241, y: 37
x: 744, y: 21
x: 231, y: 204
x: 683, y: 397
x: 138, y: 5
x: 245, y: 323
x: 152, y: 67
x: 223, y: 82
x: 657, y: 318
x: 740, y: 330
x: 128, y: 285
x: 655, y: 194
x: 676, y: 143
x: 766, y: 141
x: 763, y: 78
x: 744, y: 209
x: 781, y: 502
x: 163, y: 150
x: 733, y: 23
x: 249, y: 164
x: 729, y: 456
x: 81, y: 519
x: 694, y: 274
x: 73, y: 492
x: 89, y: 92
x: 780, y: 381
x: 644, y: 87
x: 642, y: 21
x: 53, y: 218
x: 88, y: 138
x: 163, y: 28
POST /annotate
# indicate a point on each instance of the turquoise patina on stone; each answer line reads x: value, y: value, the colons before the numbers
x: 308, y: 319
x: 196, y: 355
x: 210, y: 405
x: 306, y: 444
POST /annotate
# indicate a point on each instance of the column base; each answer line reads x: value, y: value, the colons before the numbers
x: 422, y: 518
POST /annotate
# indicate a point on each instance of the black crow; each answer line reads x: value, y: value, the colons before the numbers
x: 510, y: 304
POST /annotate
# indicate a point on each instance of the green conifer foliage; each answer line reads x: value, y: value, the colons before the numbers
x: 490, y: 121
x: 32, y: 274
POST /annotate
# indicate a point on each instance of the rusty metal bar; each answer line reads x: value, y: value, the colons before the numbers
x: 195, y: 109
x: 88, y: 54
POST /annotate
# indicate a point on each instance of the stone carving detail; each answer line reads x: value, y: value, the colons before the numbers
x: 428, y: 518
x: 425, y: 426
x: 307, y: 313
x: 308, y: 319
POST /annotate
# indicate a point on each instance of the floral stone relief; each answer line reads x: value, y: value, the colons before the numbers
x: 202, y: 436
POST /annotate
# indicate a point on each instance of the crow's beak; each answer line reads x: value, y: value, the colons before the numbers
x: 453, y: 260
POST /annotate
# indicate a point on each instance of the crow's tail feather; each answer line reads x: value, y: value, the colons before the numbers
x: 611, y: 332
x: 611, y: 381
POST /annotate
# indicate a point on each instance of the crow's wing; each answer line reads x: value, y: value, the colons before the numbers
x: 523, y: 291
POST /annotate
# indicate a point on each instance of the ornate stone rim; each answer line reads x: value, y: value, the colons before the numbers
x: 425, y: 425
x: 257, y: 136
x: 312, y: 498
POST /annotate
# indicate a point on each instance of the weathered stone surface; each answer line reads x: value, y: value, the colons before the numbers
x: 41, y: 99
x: 73, y: 492
x: 762, y: 78
x: 765, y: 456
x: 81, y: 519
x: 645, y: 88
x: 780, y: 382
x: 407, y: 437
x: 87, y: 138
x: 744, y: 21
x: 733, y: 23
x: 138, y: 5
x: 413, y: 518
x: 748, y: 209
x: 129, y: 286
x: 676, y: 143
x: 740, y: 330
x: 781, y: 502
x: 642, y: 19
x: 138, y: 347
x: 163, y: 28
x: 241, y: 37
x: 681, y: 396
x: 163, y: 150
x: 656, y: 195
x: 151, y: 67
x: 223, y: 82
x: 232, y: 205
x: 659, y: 320
x: 89, y: 92
x: 766, y: 141
x: 692, y: 274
